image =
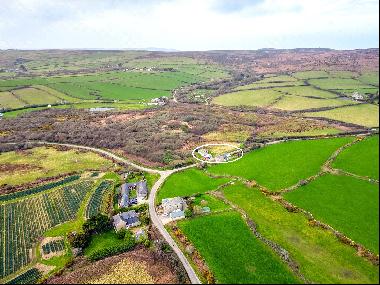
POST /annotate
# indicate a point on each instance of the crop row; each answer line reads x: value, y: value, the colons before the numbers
x: 38, y: 189
x: 23, y: 222
x: 29, y: 277
x: 96, y: 200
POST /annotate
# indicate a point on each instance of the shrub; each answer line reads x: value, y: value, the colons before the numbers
x: 105, y: 252
x: 188, y: 213
x: 97, y: 224
x: 78, y: 239
x: 121, y: 233
x: 144, y: 218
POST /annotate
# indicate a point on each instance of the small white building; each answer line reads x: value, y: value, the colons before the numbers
x: 357, y: 96
x: 171, y: 205
x: 204, y: 153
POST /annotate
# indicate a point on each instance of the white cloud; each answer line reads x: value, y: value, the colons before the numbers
x: 189, y: 25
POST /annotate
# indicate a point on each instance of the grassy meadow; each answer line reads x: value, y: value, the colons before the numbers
x: 187, y: 183
x: 297, y: 103
x: 361, y: 158
x: 233, y: 253
x: 366, y: 115
x: 257, y: 98
x: 42, y: 162
x: 349, y: 205
x: 281, y: 165
x: 320, y: 256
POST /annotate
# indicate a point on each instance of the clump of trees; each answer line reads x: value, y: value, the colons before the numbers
x: 95, y: 225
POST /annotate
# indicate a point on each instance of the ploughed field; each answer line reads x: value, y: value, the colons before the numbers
x: 347, y: 202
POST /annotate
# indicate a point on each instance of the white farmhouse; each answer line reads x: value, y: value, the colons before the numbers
x: 171, y: 205
x: 357, y: 96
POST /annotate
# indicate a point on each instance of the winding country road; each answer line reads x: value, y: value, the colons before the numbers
x: 164, y: 174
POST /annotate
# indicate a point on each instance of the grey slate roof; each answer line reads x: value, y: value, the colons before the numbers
x: 142, y: 189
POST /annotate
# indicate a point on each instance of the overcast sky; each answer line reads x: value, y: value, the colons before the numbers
x: 189, y: 24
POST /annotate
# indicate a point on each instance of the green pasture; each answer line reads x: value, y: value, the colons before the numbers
x: 258, y: 98
x: 366, y: 115
x: 187, y: 183
x: 297, y: 103
x: 321, y: 257
x: 361, y: 158
x: 233, y: 253
x: 43, y: 162
x: 349, y: 205
x: 284, y: 164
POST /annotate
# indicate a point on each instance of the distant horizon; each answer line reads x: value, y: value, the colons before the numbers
x: 197, y: 25
x: 168, y: 50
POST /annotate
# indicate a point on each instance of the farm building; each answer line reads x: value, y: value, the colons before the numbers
x: 204, y: 153
x: 126, y: 220
x: 177, y: 214
x: 170, y: 205
x: 357, y: 96
x: 124, y: 199
x: 142, y: 191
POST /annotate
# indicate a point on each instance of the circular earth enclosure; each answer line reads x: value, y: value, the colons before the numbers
x: 217, y: 153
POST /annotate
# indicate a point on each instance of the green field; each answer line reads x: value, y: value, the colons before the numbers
x: 259, y: 98
x: 338, y: 83
x: 32, y: 96
x: 232, y: 252
x: 281, y: 165
x: 321, y: 257
x: 102, y: 241
x: 9, y: 101
x: 260, y: 84
x: 370, y: 78
x: 307, y: 91
x: 312, y: 132
x: 362, y: 158
x: 311, y: 74
x: 187, y: 183
x: 42, y: 162
x: 204, y: 200
x: 363, y: 115
x: 125, y: 105
x: 296, y: 103
x: 349, y: 205
x: 343, y: 74
x: 142, y: 80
